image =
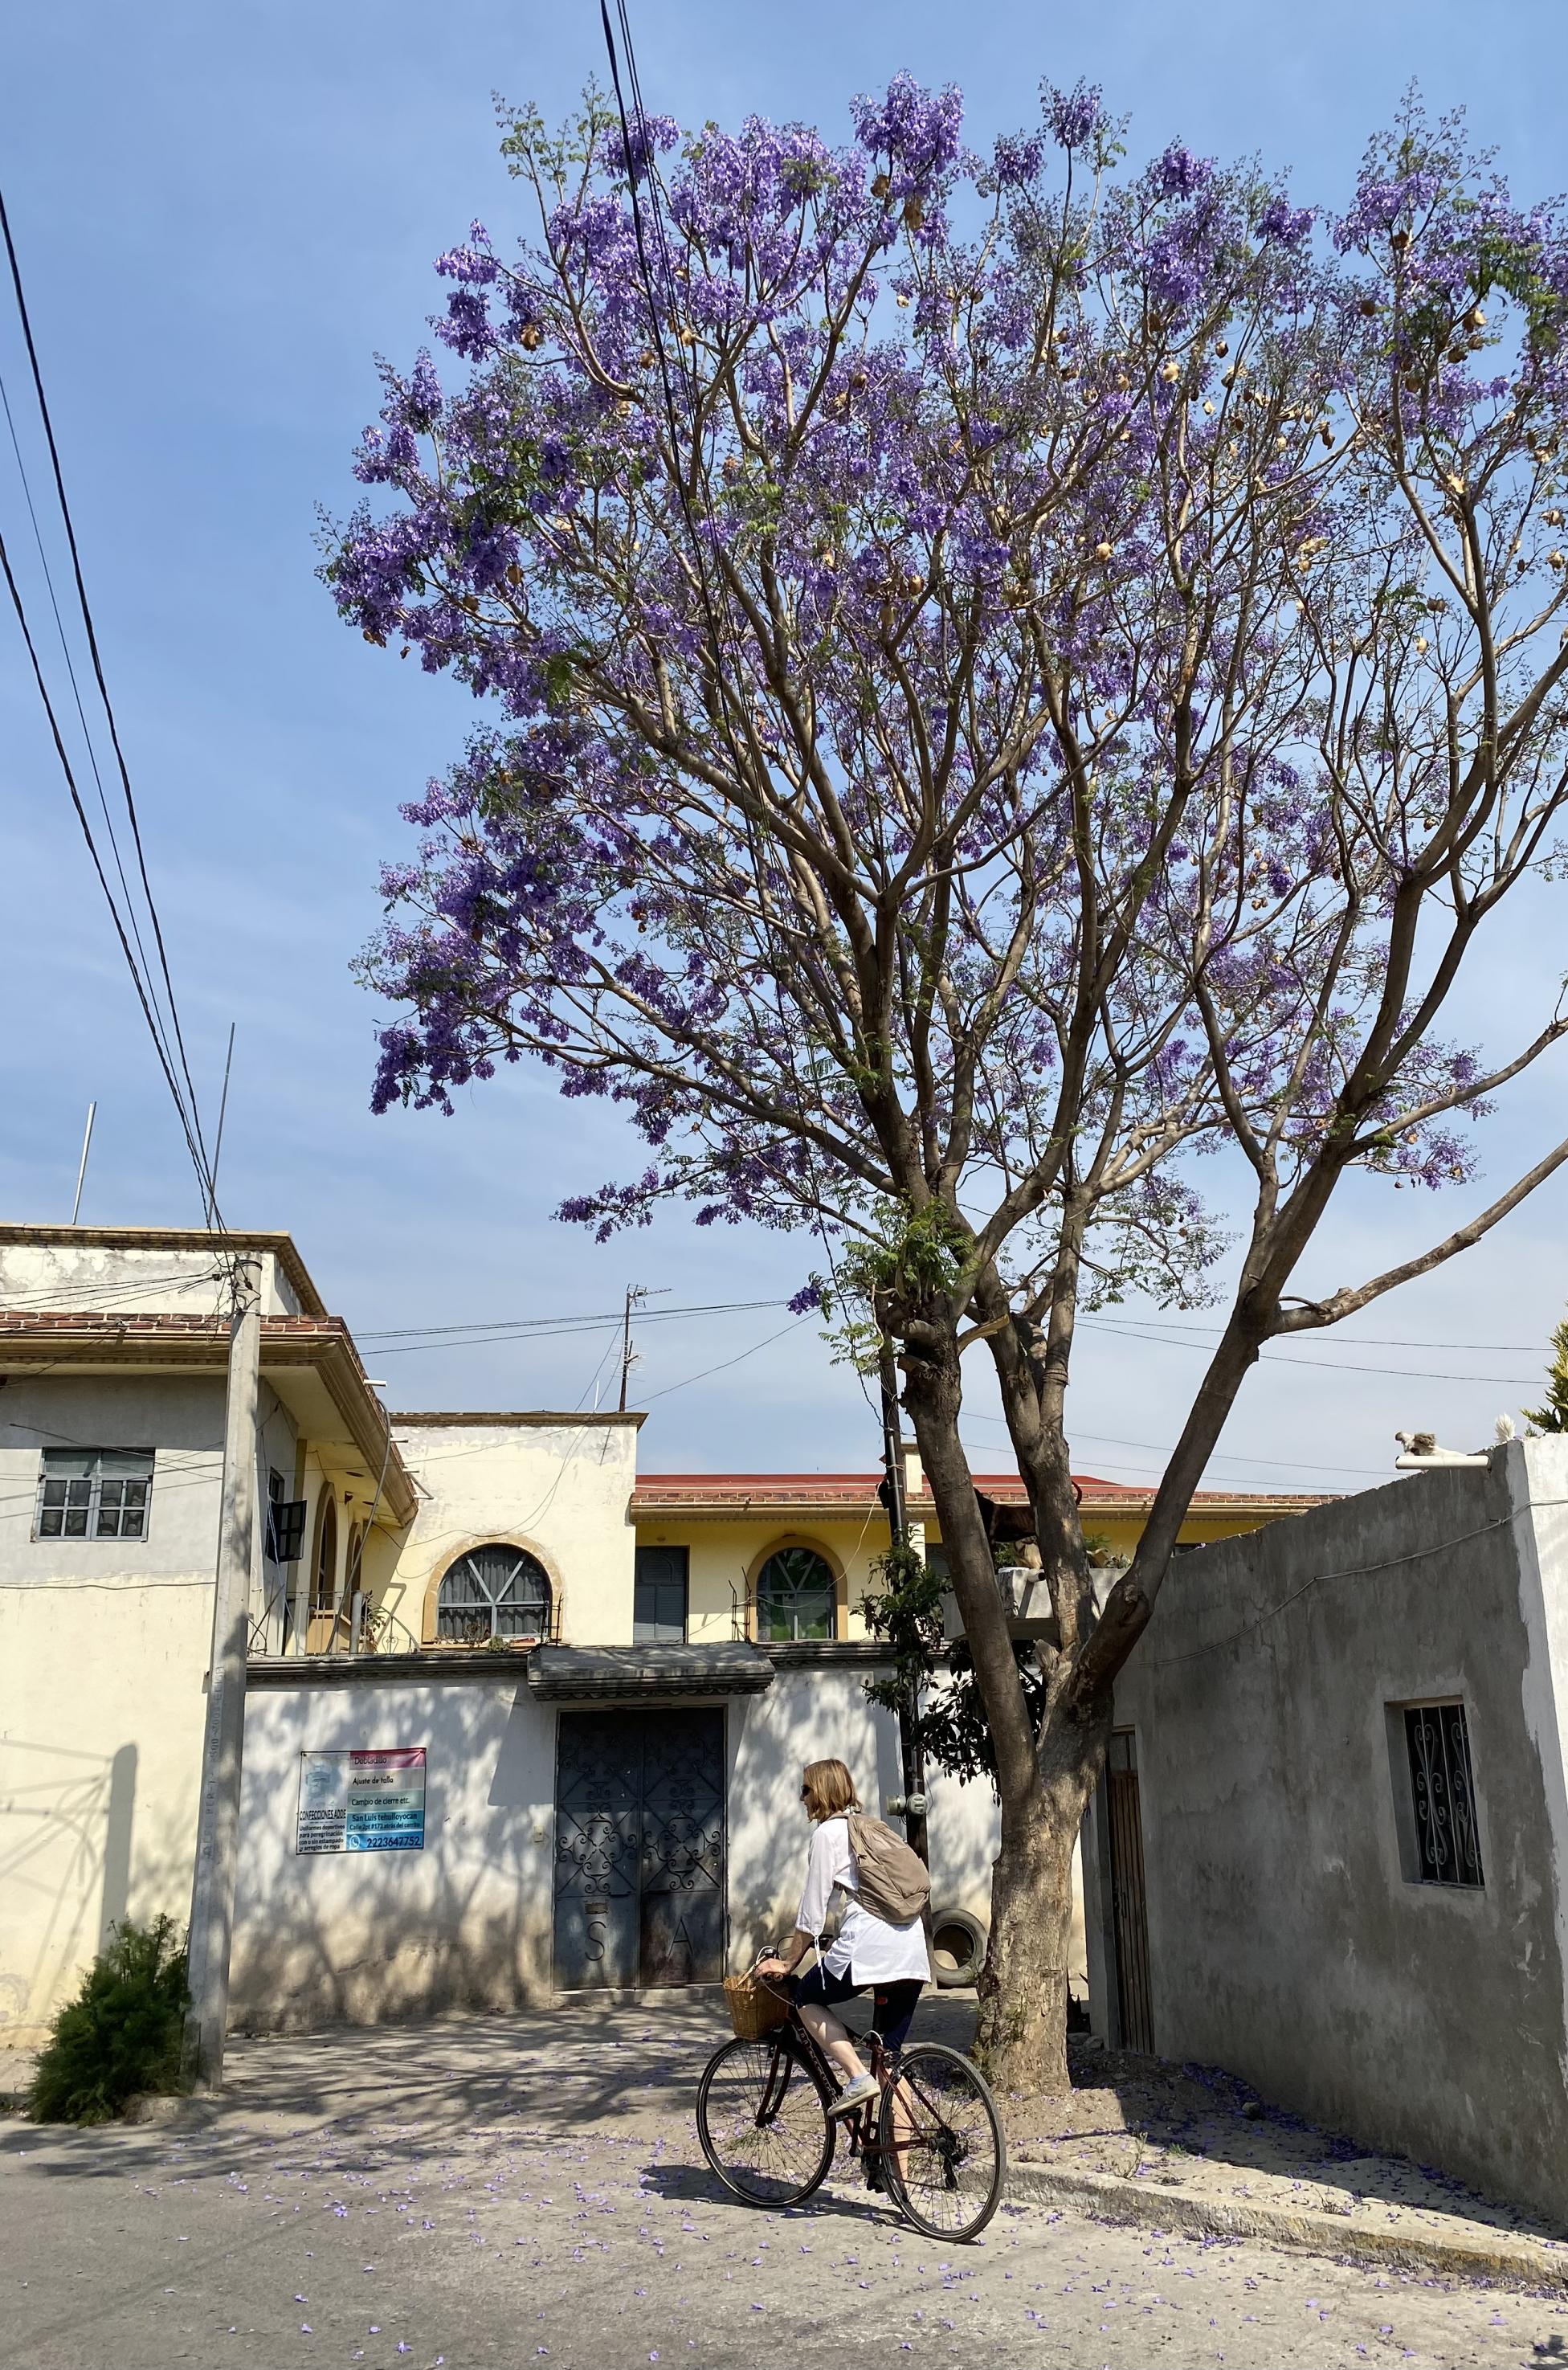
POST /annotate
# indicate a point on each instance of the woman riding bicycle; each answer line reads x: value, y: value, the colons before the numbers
x: 891, y: 1962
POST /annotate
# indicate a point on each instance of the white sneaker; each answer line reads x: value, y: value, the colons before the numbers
x: 856, y: 2094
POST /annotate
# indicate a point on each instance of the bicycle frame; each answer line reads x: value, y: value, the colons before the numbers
x: 862, y: 2124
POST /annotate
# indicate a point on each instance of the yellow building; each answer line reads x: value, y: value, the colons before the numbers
x: 770, y: 1556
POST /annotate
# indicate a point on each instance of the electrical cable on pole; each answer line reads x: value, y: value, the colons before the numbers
x: 636, y: 1296
x: 911, y: 1753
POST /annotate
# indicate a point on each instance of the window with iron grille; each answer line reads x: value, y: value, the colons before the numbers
x: 796, y: 1597
x: 493, y: 1591
x: 1442, y: 1789
x: 94, y: 1493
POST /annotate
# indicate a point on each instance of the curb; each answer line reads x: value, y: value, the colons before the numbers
x: 1524, y: 2262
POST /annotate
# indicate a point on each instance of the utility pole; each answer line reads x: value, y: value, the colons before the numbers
x: 912, y: 1753
x: 223, y: 1742
x: 636, y: 1296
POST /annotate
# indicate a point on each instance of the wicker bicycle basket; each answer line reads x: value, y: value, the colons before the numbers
x: 754, y: 2008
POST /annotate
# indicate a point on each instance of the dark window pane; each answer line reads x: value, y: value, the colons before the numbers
x: 493, y: 1591
x: 659, y: 1596
x: 1442, y: 1794
x: 94, y: 1493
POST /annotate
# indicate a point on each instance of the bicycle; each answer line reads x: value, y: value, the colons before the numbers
x: 931, y: 2140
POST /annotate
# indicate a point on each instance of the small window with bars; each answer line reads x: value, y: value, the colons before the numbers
x: 1441, y: 1845
x: 94, y: 1493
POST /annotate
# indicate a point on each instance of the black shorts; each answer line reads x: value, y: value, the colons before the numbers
x: 893, y: 2004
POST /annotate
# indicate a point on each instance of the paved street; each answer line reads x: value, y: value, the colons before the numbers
x: 485, y: 2193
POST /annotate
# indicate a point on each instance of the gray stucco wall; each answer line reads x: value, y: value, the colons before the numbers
x: 1287, y: 1942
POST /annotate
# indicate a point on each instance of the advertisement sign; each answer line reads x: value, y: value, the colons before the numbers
x: 370, y: 1801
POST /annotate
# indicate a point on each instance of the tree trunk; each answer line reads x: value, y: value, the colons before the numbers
x: 1022, y: 2039
x: 1044, y: 1784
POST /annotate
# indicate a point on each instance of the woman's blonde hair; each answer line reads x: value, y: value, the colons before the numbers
x: 829, y: 1788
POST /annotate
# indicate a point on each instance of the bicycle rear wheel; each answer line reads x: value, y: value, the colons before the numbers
x: 762, y: 2121
x: 943, y: 2149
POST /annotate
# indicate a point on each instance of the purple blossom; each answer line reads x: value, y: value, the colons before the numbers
x: 588, y: 887
x: 1287, y: 224
x: 1073, y: 116
x: 918, y: 130
x: 1180, y: 173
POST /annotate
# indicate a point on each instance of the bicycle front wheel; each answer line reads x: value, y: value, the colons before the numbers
x: 762, y: 2121
x: 942, y: 2144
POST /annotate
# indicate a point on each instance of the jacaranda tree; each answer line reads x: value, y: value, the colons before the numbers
x: 1004, y: 677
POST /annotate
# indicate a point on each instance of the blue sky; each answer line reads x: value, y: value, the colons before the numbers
x: 222, y: 214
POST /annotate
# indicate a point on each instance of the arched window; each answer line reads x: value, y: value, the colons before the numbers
x: 324, y: 1582
x: 321, y: 1623
x: 495, y: 1592
x: 796, y: 1596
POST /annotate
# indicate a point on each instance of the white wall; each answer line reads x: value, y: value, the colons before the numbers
x: 365, y: 1936
x: 81, y: 1274
x: 562, y: 1490
x: 103, y: 1646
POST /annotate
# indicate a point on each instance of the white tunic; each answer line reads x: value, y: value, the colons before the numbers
x: 868, y: 1948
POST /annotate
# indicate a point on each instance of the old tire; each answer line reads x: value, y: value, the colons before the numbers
x: 957, y: 1949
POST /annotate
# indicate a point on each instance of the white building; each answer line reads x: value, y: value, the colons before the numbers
x: 582, y: 1697
x: 590, y: 1798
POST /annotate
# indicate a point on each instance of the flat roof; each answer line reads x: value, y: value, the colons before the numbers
x: 511, y: 1415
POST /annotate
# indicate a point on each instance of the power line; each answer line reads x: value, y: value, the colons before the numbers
x: 1355, y: 1340
x: 1220, y: 1456
x: 1330, y: 1365
x: 483, y: 1328
x: 97, y: 668
x: 729, y: 1362
x: 90, y: 1299
x: 171, y: 1055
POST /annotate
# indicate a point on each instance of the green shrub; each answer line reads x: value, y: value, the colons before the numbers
x: 122, y: 2032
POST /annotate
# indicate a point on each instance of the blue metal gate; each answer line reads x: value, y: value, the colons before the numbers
x: 639, y: 1849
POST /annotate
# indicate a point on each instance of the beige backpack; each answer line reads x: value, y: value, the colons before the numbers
x: 895, y: 1883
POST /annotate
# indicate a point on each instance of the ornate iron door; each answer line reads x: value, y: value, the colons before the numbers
x: 639, y: 1849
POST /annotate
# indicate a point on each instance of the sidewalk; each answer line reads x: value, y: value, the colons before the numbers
x: 1190, y: 2148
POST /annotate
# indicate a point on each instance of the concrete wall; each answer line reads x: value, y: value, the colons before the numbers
x: 86, y: 1274
x: 559, y: 1487
x: 103, y: 1647
x: 366, y: 1935
x: 1286, y: 1941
